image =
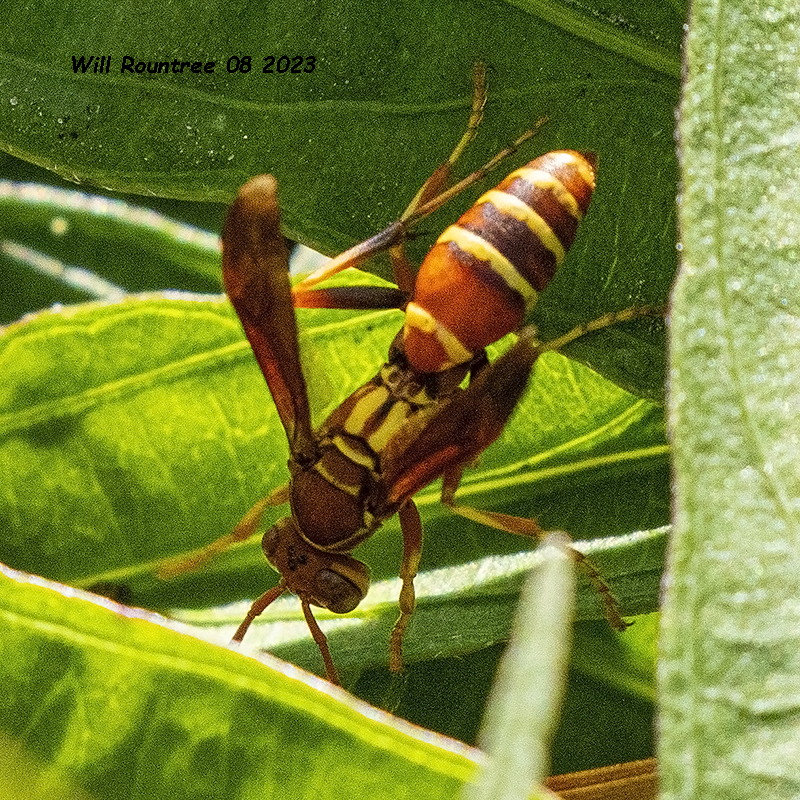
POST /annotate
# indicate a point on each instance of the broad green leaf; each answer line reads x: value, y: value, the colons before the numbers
x: 140, y: 430
x: 118, y: 705
x: 352, y: 141
x: 123, y: 679
x: 202, y: 135
x: 731, y: 674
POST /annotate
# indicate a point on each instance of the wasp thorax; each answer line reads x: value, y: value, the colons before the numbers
x: 329, y: 580
x: 276, y: 539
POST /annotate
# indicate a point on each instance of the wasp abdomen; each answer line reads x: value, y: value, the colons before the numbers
x: 485, y: 271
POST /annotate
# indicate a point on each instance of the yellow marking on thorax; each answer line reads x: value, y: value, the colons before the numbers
x: 544, y: 180
x: 514, y: 207
x: 362, y: 418
x: 355, y: 454
x: 483, y: 251
x: 364, y: 409
x: 353, y: 489
x: 398, y: 414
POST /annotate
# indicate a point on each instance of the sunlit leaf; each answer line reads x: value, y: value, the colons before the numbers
x: 103, y: 700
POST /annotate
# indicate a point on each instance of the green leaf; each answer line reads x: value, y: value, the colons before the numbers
x: 142, y: 429
x: 120, y: 705
x: 460, y: 609
x: 352, y: 141
x: 203, y: 135
x: 523, y: 710
x: 731, y: 674
x: 71, y: 246
x: 117, y: 418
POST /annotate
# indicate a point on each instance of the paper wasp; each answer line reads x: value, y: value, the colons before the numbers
x: 412, y: 423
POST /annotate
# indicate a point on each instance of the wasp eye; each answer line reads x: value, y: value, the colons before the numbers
x: 341, y: 587
x: 335, y: 592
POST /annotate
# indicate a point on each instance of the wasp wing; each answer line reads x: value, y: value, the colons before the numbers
x: 255, y: 268
x: 460, y: 429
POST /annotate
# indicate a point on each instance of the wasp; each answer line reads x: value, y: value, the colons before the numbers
x: 414, y: 421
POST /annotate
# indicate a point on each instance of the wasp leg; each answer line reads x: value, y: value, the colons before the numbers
x: 352, y: 298
x: 393, y: 237
x: 530, y: 528
x: 246, y: 528
x: 441, y: 175
x: 606, y: 321
x: 435, y: 203
x: 411, y: 526
x: 428, y: 199
x: 321, y: 641
x: 266, y: 599
x: 257, y: 609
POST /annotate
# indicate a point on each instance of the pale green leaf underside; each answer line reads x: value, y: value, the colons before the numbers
x: 731, y: 672
x: 128, y: 244
x: 459, y: 609
x: 522, y: 714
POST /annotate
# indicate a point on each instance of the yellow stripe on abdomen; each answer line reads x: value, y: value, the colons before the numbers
x: 480, y: 249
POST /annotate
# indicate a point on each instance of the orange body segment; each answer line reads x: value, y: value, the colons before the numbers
x: 485, y: 272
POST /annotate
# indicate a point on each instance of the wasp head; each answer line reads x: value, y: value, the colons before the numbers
x: 334, y: 581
